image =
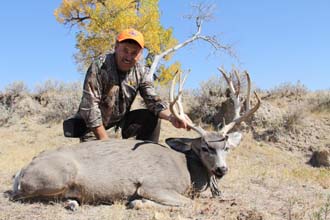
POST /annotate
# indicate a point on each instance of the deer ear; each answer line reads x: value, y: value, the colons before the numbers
x: 234, y: 139
x: 179, y: 144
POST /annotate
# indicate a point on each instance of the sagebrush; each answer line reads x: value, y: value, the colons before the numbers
x: 52, y: 101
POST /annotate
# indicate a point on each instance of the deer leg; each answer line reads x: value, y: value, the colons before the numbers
x: 71, y: 205
x: 21, y: 195
x: 162, y: 197
x: 144, y: 203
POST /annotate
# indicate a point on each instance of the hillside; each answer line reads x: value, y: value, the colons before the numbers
x: 269, y: 177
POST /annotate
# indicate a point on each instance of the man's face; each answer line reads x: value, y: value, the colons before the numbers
x: 127, y: 54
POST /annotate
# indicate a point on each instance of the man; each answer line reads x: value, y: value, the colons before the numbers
x: 110, y: 87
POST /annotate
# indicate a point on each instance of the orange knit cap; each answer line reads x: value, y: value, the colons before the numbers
x: 131, y: 34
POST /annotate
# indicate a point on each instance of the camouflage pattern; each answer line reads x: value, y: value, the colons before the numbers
x: 108, y: 94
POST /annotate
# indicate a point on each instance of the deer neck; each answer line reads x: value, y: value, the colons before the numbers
x: 199, y: 175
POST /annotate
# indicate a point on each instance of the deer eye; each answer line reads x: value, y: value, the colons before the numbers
x: 212, y: 151
x: 205, y: 149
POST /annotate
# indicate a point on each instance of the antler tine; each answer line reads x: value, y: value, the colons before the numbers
x: 229, y: 82
x: 233, y: 94
x: 176, y: 102
x: 247, y: 101
x: 250, y: 111
x: 238, y: 120
x: 180, y: 89
x: 173, y: 100
x: 238, y: 82
x: 235, y: 97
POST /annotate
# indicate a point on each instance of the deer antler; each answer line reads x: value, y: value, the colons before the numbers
x: 234, y: 94
x: 176, y: 106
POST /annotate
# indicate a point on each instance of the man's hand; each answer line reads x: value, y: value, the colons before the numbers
x: 178, y: 123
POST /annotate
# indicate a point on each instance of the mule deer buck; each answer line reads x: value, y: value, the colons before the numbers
x: 143, y: 173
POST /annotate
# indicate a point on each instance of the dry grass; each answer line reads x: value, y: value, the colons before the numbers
x: 269, y: 180
x: 264, y: 182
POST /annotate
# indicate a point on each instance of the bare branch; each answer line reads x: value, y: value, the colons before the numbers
x: 204, y: 13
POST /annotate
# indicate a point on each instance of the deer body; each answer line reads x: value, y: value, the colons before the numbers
x: 106, y: 171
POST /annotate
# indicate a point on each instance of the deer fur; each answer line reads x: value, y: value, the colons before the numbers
x: 113, y: 170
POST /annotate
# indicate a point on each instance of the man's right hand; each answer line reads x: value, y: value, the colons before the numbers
x: 180, y: 123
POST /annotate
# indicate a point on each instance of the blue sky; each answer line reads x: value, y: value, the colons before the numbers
x: 276, y: 41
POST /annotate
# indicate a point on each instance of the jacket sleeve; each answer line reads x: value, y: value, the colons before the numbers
x: 90, y: 101
x: 150, y: 97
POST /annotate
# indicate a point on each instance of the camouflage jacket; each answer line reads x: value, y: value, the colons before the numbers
x: 108, y: 94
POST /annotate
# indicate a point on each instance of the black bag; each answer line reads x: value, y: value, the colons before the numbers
x: 74, y: 127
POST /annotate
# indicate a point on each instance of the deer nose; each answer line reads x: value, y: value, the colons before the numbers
x: 221, y: 171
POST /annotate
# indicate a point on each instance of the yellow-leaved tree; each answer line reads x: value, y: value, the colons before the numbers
x: 99, y: 21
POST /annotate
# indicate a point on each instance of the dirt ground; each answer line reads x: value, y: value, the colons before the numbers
x: 265, y: 181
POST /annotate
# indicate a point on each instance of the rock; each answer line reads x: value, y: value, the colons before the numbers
x: 320, y: 159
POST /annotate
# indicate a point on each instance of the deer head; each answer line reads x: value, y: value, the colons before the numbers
x: 212, y: 147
